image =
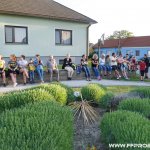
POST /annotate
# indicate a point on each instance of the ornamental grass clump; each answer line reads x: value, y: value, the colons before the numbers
x: 93, y: 92
x: 141, y: 106
x: 143, y: 92
x: 59, y: 93
x: 125, y: 127
x: 106, y: 100
x: 38, y: 126
x: 19, y: 98
x: 70, y: 92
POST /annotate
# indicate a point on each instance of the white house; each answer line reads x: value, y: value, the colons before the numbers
x: 42, y: 27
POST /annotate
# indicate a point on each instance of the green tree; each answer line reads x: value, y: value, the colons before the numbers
x: 120, y: 34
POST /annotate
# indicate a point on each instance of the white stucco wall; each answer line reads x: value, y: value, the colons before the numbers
x: 41, y: 37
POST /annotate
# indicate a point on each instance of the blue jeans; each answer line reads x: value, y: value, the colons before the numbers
x: 102, y: 67
x: 108, y: 68
x: 87, y: 71
x: 31, y: 75
x: 96, y: 72
x: 40, y: 73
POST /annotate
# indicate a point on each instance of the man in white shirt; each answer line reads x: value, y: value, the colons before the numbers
x: 114, y: 66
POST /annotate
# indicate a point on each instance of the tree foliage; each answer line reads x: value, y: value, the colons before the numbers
x: 120, y: 34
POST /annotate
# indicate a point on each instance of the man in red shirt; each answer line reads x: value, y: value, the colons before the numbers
x: 142, y: 65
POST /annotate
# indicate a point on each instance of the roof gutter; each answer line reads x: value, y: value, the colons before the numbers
x: 87, y: 40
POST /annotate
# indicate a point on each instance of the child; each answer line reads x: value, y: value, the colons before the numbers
x: 2, y: 70
x: 31, y: 70
x: 142, y: 69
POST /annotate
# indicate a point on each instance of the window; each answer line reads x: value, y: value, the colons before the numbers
x: 16, y: 35
x: 137, y: 53
x: 63, y: 37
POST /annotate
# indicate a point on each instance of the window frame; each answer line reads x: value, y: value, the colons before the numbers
x: 62, y: 44
x: 137, y: 51
x: 13, y: 34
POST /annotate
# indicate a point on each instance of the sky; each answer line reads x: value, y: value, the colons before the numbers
x: 112, y: 15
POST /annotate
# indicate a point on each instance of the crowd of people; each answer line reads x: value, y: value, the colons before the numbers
x: 103, y: 66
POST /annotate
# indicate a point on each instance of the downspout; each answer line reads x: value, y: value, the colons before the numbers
x: 87, y: 40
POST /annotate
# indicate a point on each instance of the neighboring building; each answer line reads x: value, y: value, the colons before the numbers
x: 42, y: 27
x: 137, y: 46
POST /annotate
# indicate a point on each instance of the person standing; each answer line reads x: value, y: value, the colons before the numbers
x: 84, y: 64
x: 95, y: 64
x: 67, y: 65
x: 13, y: 69
x: 123, y: 66
x: 2, y: 70
x: 114, y: 66
x: 146, y: 60
x: 31, y: 68
x: 142, y: 65
x: 39, y: 67
x: 22, y: 63
x: 52, y: 68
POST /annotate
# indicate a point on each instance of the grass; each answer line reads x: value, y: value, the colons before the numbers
x: 120, y: 89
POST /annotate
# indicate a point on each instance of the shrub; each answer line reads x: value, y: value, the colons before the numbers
x: 125, y: 127
x: 17, y: 99
x: 137, y: 105
x: 59, y: 93
x: 70, y: 92
x: 143, y: 92
x: 93, y: 92
x: 106, y: 100
x: 40, y: 126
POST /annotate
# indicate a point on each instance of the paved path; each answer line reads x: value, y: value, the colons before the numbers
x: 80, y: 83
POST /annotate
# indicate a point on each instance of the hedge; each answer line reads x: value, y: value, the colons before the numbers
x: 93, y: 92
x: 59, y: 93
x: 136, y: 105
x: 40, y: 126
x: 19, y: 98
x: 125, y: 127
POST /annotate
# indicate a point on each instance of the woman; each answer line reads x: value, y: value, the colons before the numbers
x: 95, y: 64
x: 114, y: 66
x: 13, y: 69
x: 39, y: 67
x: 52, y: 68
x: 22, y: 63
x: 84, y: 63
x: 122, y: 63
x: 102, y: 66
x: 2, y: 70
x: 108, y: 64
x: 67, y: 65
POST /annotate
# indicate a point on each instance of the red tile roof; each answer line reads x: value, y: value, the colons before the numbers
x: 42, y: 8
x: 140, y: 41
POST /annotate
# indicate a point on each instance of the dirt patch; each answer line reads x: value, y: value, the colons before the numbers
x: 88, y: 134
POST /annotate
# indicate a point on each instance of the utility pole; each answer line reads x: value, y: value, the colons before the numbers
x: 100, y: 43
